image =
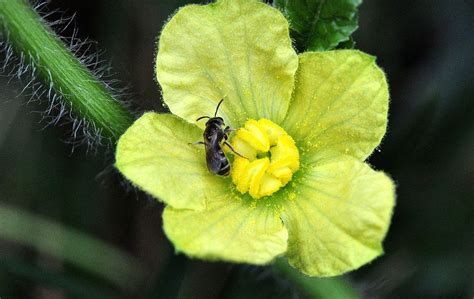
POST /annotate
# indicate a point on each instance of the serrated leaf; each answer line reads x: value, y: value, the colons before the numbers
x: 319, y: 25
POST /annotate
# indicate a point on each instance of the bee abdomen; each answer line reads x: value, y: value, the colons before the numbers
x: 225, y: 169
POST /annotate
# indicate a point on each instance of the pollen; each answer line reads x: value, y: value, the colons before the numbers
x: 270, y: 158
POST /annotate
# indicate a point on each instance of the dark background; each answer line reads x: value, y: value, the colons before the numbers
x: 425, y: 47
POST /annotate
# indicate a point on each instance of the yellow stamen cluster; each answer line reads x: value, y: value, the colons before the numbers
x: 259, y: 173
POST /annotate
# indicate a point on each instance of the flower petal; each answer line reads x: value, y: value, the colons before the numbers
x: 155, y: 154
x: 237, y: 50
x: 338, y: 217
x: 340, y: 103
x: 231, y: 229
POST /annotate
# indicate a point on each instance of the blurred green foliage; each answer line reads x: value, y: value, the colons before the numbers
x: 426, y: 50
x: 319, y: 25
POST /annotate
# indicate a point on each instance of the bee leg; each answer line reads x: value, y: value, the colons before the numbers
x: 226, y: 132
x: 233, y: 150
x: 229, y: 129
x: 197, y: 142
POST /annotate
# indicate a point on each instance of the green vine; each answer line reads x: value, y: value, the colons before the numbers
x: 331, y: 287
x: 75, y: 86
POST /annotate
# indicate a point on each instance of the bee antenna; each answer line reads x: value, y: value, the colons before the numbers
x: 218, y: 105
x: 199, y: 118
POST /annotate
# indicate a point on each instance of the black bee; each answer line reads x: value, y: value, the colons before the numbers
x: 216, y: 134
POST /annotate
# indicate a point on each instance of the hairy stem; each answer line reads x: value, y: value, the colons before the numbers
x: 333, y: 287
x: 61, y: 71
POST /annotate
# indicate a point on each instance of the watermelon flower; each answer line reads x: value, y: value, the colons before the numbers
x: 305, y: 125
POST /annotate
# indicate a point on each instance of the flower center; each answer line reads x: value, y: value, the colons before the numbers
x: 271, y: 158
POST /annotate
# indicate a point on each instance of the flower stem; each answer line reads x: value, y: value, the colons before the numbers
x: 314, y: 287
x: 60, y: 71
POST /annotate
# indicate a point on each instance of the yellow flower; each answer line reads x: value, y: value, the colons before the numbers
x: 330, y: 212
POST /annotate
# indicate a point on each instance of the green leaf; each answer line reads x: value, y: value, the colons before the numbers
x: 73, y: 285
x: 316, y: 287
x: 319, y: 25
x: 71, y: 246
x: 348, y: 44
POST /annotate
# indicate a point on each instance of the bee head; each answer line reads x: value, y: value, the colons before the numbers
x: 217, y: 121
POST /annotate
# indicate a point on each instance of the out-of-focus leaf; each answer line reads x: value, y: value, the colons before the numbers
x: 314, y: 287
x: 348, y: 44
x: 71, y: 246
x: 72, y: 285
x: 319, y: 25
x: 168, y: 282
